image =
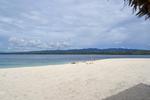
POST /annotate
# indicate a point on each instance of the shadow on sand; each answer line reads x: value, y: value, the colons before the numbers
x: 138, y: 92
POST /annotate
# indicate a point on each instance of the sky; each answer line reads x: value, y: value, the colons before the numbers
x: 70, y: 24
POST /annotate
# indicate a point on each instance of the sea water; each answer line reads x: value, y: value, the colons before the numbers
x: 28, y: 60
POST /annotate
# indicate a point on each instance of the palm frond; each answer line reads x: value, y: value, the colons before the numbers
x: 141, y: 6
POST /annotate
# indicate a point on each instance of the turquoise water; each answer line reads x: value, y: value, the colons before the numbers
x: 11, y: 61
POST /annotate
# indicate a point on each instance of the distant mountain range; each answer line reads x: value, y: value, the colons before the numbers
x: 110, y: 51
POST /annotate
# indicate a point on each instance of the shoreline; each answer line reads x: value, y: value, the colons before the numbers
x: 71, y: 63
x: 38, y: 60
x: 94, y: 80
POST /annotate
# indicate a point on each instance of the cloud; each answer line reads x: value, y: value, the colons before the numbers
x: 64, y: 24
x: 34, y: 44
x: 6, y: 19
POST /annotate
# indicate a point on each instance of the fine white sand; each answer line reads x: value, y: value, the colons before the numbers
x: 81, y: 81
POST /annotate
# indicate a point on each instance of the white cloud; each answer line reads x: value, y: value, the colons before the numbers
x: 71, y: 23
x: 6, y: 19
x: 34, y: 44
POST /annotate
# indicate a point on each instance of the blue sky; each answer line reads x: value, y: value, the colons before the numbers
x: 68, y: 24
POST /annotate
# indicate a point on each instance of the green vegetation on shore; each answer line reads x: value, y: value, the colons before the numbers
x: 113, y: 51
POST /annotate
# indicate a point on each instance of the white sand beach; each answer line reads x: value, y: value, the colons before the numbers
x: 94, y: 80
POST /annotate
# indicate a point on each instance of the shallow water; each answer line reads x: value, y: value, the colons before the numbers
x: 8, y: 61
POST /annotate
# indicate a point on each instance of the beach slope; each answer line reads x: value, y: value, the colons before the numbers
x: 94, y: 80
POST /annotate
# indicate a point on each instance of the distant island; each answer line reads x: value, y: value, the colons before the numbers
x: 110, y: 51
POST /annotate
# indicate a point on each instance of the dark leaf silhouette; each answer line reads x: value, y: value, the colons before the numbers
x: 141, y: 7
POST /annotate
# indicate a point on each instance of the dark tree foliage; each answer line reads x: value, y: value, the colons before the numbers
x: 111, y: 51
x: 141, y: 6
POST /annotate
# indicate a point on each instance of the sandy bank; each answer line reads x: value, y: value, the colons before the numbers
x: 82, y: 81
